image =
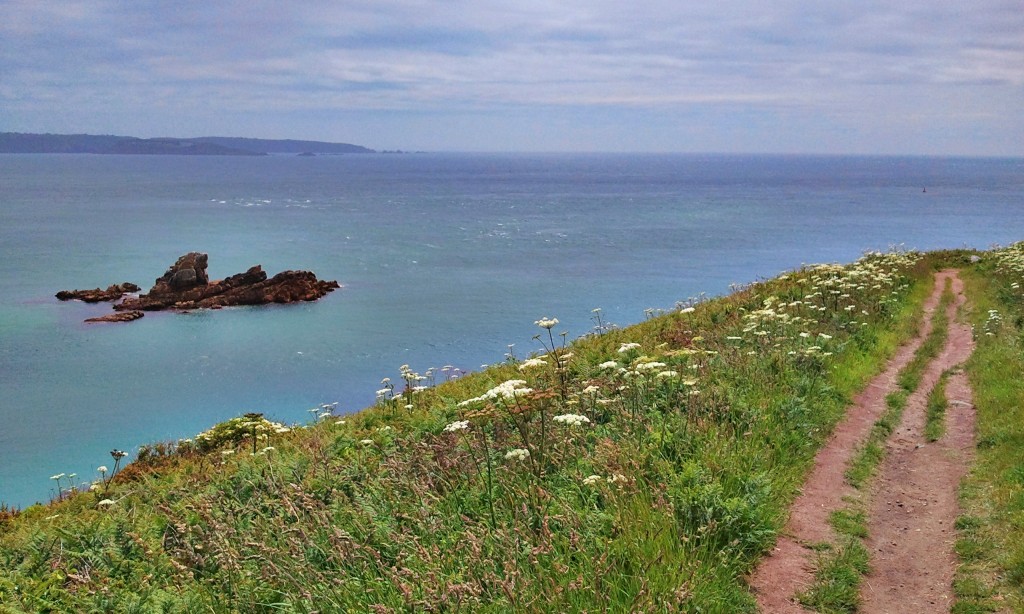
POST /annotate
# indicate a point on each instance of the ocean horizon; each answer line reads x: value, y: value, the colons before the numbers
x: 443, y: 258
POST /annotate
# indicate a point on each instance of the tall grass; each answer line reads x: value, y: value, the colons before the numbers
x: 643, y: 469
x: 990, y: 540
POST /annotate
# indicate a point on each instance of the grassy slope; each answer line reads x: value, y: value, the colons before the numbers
x: 697, y: 441
x: 991, y: 529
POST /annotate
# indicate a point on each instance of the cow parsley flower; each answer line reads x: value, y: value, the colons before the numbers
x: 519, y: 454
x: 458, y: 425
x: 571, y: 419
x: 590, y: 480
x: 533, y: 362
x: 547, y: 323
x: 625, y: 347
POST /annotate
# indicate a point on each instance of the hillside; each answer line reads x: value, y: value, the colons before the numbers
x: 20, y: 143
x: 648, y: 468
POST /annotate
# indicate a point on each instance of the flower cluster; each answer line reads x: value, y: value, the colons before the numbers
x: 572, y: 419
x: 506, y: 390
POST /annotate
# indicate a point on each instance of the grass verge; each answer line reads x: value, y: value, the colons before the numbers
x: 990, y: 531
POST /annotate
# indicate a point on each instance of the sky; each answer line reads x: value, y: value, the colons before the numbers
x: 928, y: 77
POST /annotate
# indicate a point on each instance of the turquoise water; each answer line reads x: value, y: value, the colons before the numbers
x: 444, y: 259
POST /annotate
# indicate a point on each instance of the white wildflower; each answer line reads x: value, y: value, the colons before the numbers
x: 519, y: 454
x: 611, y: 364
x: 458, y: 425
x: 532, y: 362
x: 590, y: 480
x: 625, y: 347
x: 547, y: 323
x: 571, y: 419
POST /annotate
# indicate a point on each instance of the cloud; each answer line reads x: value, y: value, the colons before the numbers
x: 407, y: 56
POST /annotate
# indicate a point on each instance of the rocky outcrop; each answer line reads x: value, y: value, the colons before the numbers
x: 186, y: 285
x: 96, y: 295
x: 118, y: 316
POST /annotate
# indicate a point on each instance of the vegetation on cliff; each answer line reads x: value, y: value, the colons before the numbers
x: 637, y: 469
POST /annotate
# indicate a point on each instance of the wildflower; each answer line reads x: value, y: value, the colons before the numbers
x: 618, y: 477
x: 547, y: 323
x: 824, y: 336
x: 687, y: 310
x: 590, y: 480
x: 532, y: 362
x: 366, y: 442
x: 650, y: 366
x: 666, y: 374
x: 571, y: 419
x: 106, y: 502
x: 519, y: 454
x: 590, y: 390
x: 227, y: 452
x: 267, y: 449
x: 458, y: 425
x: 94, y: 487
x: 625, y: 347
x: 57, y: 477
x: 611, y: 364
x: 102, y: 468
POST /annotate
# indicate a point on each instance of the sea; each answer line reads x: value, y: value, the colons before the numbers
x: 445, y: 259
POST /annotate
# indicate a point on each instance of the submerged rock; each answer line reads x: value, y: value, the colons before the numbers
x: 118, y: 316
x: 96, y: 295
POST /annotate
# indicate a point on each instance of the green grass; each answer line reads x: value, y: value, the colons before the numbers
x: 990, y: 533
x: 935, y: 420
x: 695, y: 443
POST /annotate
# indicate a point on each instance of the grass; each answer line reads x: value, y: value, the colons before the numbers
x: 643, y: 469
x: 990, y: 532
x: 935, y: 418
x: 840, y: 568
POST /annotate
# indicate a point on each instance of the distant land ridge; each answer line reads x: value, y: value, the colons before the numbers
x: 20, y: 143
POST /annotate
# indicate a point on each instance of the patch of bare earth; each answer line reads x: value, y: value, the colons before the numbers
x: 788, y: 569
x: 913, y: 500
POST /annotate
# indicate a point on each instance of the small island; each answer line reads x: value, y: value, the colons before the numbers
x: 185, y: 286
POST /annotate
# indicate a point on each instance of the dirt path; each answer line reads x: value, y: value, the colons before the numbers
x: 788, y: 569
x: 913, y: 500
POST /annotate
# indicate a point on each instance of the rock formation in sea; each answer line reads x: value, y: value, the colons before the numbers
x: 96, y: 295
x: 186, y: 286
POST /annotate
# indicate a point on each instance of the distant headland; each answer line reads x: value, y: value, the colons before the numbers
x: 22, y: 143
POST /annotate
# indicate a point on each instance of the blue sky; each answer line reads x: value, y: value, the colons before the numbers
x: 907, y: 77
